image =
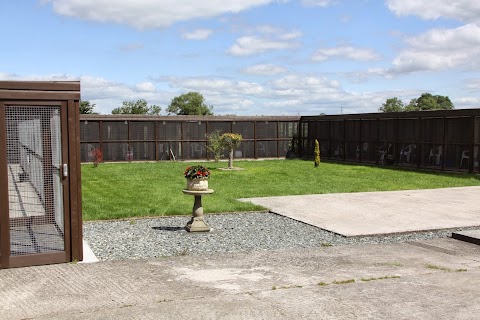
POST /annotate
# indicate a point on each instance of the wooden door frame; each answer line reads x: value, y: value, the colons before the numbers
x: 66, y: 95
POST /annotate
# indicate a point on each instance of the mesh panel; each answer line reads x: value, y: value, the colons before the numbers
x: 194, y: 130
x: 169, y: 131
x: 115, y: 130
x: 407, y: 130
x: 387, y: 129
x: 194, y: 150
x: 266, y: 149
x: 432, y: 130
x: 170, y: 150
x: 336, y: 130
x: 34, y: 183
x: 246, y: 129
x: 89, y: 131
x: 142, y: 131
x: 86, y: 151
x: 322, y: 130
x: 266, y: 130
x: 352, y: 151
x: 284, y: 147
x: 352, y: 130
x: 369, y: 130
x: 114, y: 151
x: 144, y: 151
x: 247, y: 149
x: 458, y: 130
x: 220, y: 126
x: 287, y: 129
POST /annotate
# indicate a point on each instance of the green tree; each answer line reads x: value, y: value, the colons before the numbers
x: 215, y: 144
x: 191, y: 103
x: 392, y: 105
x: 231, y: 141
x: 86, y: 107
x: 137, y: 107
x: 428, y: 101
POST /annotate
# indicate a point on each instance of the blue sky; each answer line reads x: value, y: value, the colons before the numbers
x: 249, y: 57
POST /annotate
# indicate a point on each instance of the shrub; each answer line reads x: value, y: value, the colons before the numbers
x: 317, y: 153
x: 215, y: 145
x: 97, y: 155
x: 231, y: 141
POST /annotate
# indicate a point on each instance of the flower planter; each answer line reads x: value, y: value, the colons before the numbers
x: 197, y: 184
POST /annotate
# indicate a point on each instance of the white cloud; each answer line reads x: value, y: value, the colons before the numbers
x: 440, y: 49
x: 106, y: 94
x: 466, y: 102
x: 253, y: 45
x: 316, y: 3
x: 473, y: 85
x: 217, y: 86
x: 345, y: 52
x: 290, y: 94
x: 146, y: 87
x: 199, y: 34
x: 144, y: 14
x: 264, y: 69
x: 463, y: 10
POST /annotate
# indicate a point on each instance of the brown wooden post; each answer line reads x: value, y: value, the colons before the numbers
x: 75, y: 181
x: 255, y: 151
x: 65, y: 181
x: 472, y: 147
x: 444, y: 146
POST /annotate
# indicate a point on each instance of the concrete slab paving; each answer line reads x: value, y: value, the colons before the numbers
x: 432, y: 279
x: 377, y: 213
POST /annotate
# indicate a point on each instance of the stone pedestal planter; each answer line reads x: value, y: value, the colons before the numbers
x: 197, y: 184
x: 197, y: 223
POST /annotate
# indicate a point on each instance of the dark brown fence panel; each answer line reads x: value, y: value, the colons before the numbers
x: 337, y: 141
x: 245, y: 128
x: 432, y: 142
x: 442, y: 140
x: 457, y: 142
x: 194, y: 131
x: 220, y: 126
x: 408, y: 137
x: 115, y: 131
x: 369, y: 141
x: 140, y: 138
x: 353, y: 145
x: 90, y: 131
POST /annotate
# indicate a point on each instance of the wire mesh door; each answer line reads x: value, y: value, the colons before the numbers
x: 35, y: 174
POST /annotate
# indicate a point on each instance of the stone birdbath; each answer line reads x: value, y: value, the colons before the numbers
x: 197, y: 223
x: 197, y: 186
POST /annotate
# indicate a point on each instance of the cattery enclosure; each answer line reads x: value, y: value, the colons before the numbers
x: 435, y: 140
x: 40, y: 201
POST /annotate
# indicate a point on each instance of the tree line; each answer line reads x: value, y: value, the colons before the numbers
x: 191, y: 103
x: 426, y: 101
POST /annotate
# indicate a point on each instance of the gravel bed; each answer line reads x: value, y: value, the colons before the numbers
x: 237, y: 232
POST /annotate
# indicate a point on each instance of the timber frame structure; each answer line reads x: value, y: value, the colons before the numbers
x: 40, y: 182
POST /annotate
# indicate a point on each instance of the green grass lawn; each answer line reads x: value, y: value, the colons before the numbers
x: 121, y: 190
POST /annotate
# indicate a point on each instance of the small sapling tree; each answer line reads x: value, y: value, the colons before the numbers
x: 231, y: 141
x: 215, y: 145
x: 317, y: 153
